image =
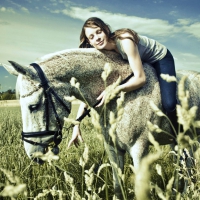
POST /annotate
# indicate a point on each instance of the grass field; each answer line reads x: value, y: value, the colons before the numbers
x: 9, y: 103
x: 74, y: 175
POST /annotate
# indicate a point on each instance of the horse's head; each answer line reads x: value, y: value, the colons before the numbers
x: 42, y: 109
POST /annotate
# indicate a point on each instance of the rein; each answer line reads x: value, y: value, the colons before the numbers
x: 48, y: 93
x: 87, y: 111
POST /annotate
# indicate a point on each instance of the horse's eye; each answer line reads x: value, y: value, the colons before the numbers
x: 33, y: 107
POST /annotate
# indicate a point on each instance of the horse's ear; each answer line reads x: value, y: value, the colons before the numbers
x: 27, y: 71
x: 10, y: 69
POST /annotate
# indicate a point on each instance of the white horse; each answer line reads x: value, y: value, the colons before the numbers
x: 41, y: 126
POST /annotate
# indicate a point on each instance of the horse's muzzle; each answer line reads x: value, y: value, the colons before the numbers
x: 55, y: 150
x: 38, y: 161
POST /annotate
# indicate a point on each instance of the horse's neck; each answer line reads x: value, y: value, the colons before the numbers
x: 86, y: 65
x: 91, y: 84
x: 87, y: 74
x: 88, y: 68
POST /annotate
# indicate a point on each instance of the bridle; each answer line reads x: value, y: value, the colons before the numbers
x: 48, y: 93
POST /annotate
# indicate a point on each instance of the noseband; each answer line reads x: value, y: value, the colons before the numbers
x: 48, y: 93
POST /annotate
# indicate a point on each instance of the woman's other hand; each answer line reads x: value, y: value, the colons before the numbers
x: 76, y: 137
x: 101, y: 97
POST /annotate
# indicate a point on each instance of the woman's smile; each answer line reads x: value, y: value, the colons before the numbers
x: 100, y: 43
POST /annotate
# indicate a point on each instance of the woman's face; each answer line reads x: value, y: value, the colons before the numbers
x: 96, y: 37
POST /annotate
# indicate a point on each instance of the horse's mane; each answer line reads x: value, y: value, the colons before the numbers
x: 73, y: 51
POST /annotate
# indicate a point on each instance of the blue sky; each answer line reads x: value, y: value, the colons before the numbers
x: 30, y: 29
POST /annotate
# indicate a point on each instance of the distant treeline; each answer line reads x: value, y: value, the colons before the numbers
x: 8, y: 95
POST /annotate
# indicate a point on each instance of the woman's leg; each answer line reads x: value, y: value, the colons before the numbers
x: 168, y: 89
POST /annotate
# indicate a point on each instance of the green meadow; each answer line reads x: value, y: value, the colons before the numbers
x: 85, y: 172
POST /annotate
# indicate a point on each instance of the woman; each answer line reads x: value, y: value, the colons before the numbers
x: 136, y: 49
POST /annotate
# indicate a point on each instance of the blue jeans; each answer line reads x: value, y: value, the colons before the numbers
x: 168, y: 89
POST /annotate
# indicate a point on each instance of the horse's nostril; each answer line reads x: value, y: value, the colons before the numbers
x: 38, y: 160
x: 55, y: 150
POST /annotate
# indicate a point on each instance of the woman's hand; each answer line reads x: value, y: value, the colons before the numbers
x: 76, y: 137
x: 101, y: 97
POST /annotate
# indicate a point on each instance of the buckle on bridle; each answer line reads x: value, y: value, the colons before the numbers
x: 57, y: 137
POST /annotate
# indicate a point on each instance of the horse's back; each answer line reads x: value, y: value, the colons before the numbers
x: 137, y: 109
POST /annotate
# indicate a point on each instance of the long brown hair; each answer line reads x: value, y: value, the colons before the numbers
x: 117, y: 35
x: 94, y: 21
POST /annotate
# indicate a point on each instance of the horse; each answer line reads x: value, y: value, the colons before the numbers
x: 43, y: 85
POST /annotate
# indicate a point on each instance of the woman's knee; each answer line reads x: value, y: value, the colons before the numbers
x: 169, y: 106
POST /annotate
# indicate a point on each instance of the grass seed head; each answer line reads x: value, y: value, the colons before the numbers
x: 186, y: 117
x: 68, y: 179
x: 154, y: 142
x: 156, y: 109
x: 13, y: 191
x: 71, y: 121
x: 70, y: 99
x: 160, y: 192
x: 168, y: 78
x: 182, y: 93
x: 48, y: 157
x: 120, y: 100
x: 74, y: 83
x: 112, y: 91
x: 153, y: 127
x: 102, y: 166
x: 89, y: 178
x: 86, y: 153
x: 169, y: 187
x: 106, y: 72
x: 10, y: 176
x: 159, y: 169
x: 84, y: 158
x: 184, y: 140
x: 142, y: 177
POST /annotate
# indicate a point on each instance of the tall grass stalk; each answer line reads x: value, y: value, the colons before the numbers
x: 73, y: 175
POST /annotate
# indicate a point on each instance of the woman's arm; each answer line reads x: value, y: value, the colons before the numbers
x: 81, y: 109
x: 139, y: 78
x: 76, y: 135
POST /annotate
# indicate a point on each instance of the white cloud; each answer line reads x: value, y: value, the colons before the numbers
x: 190, y: 27
x: 187, y: 61
x: 9, y: 10
x: 24, y: 9
x: 173, y: 13
x: 184, y: 21
x: 193, y: 29
x: 189, y: 55
x: 146, y: 26
x: 153, y: 27
x: 18, y: 6
x: 3, y: 9
x: 157, y: 2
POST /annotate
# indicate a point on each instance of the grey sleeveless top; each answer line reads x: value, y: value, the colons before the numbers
x: 150, y: 50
